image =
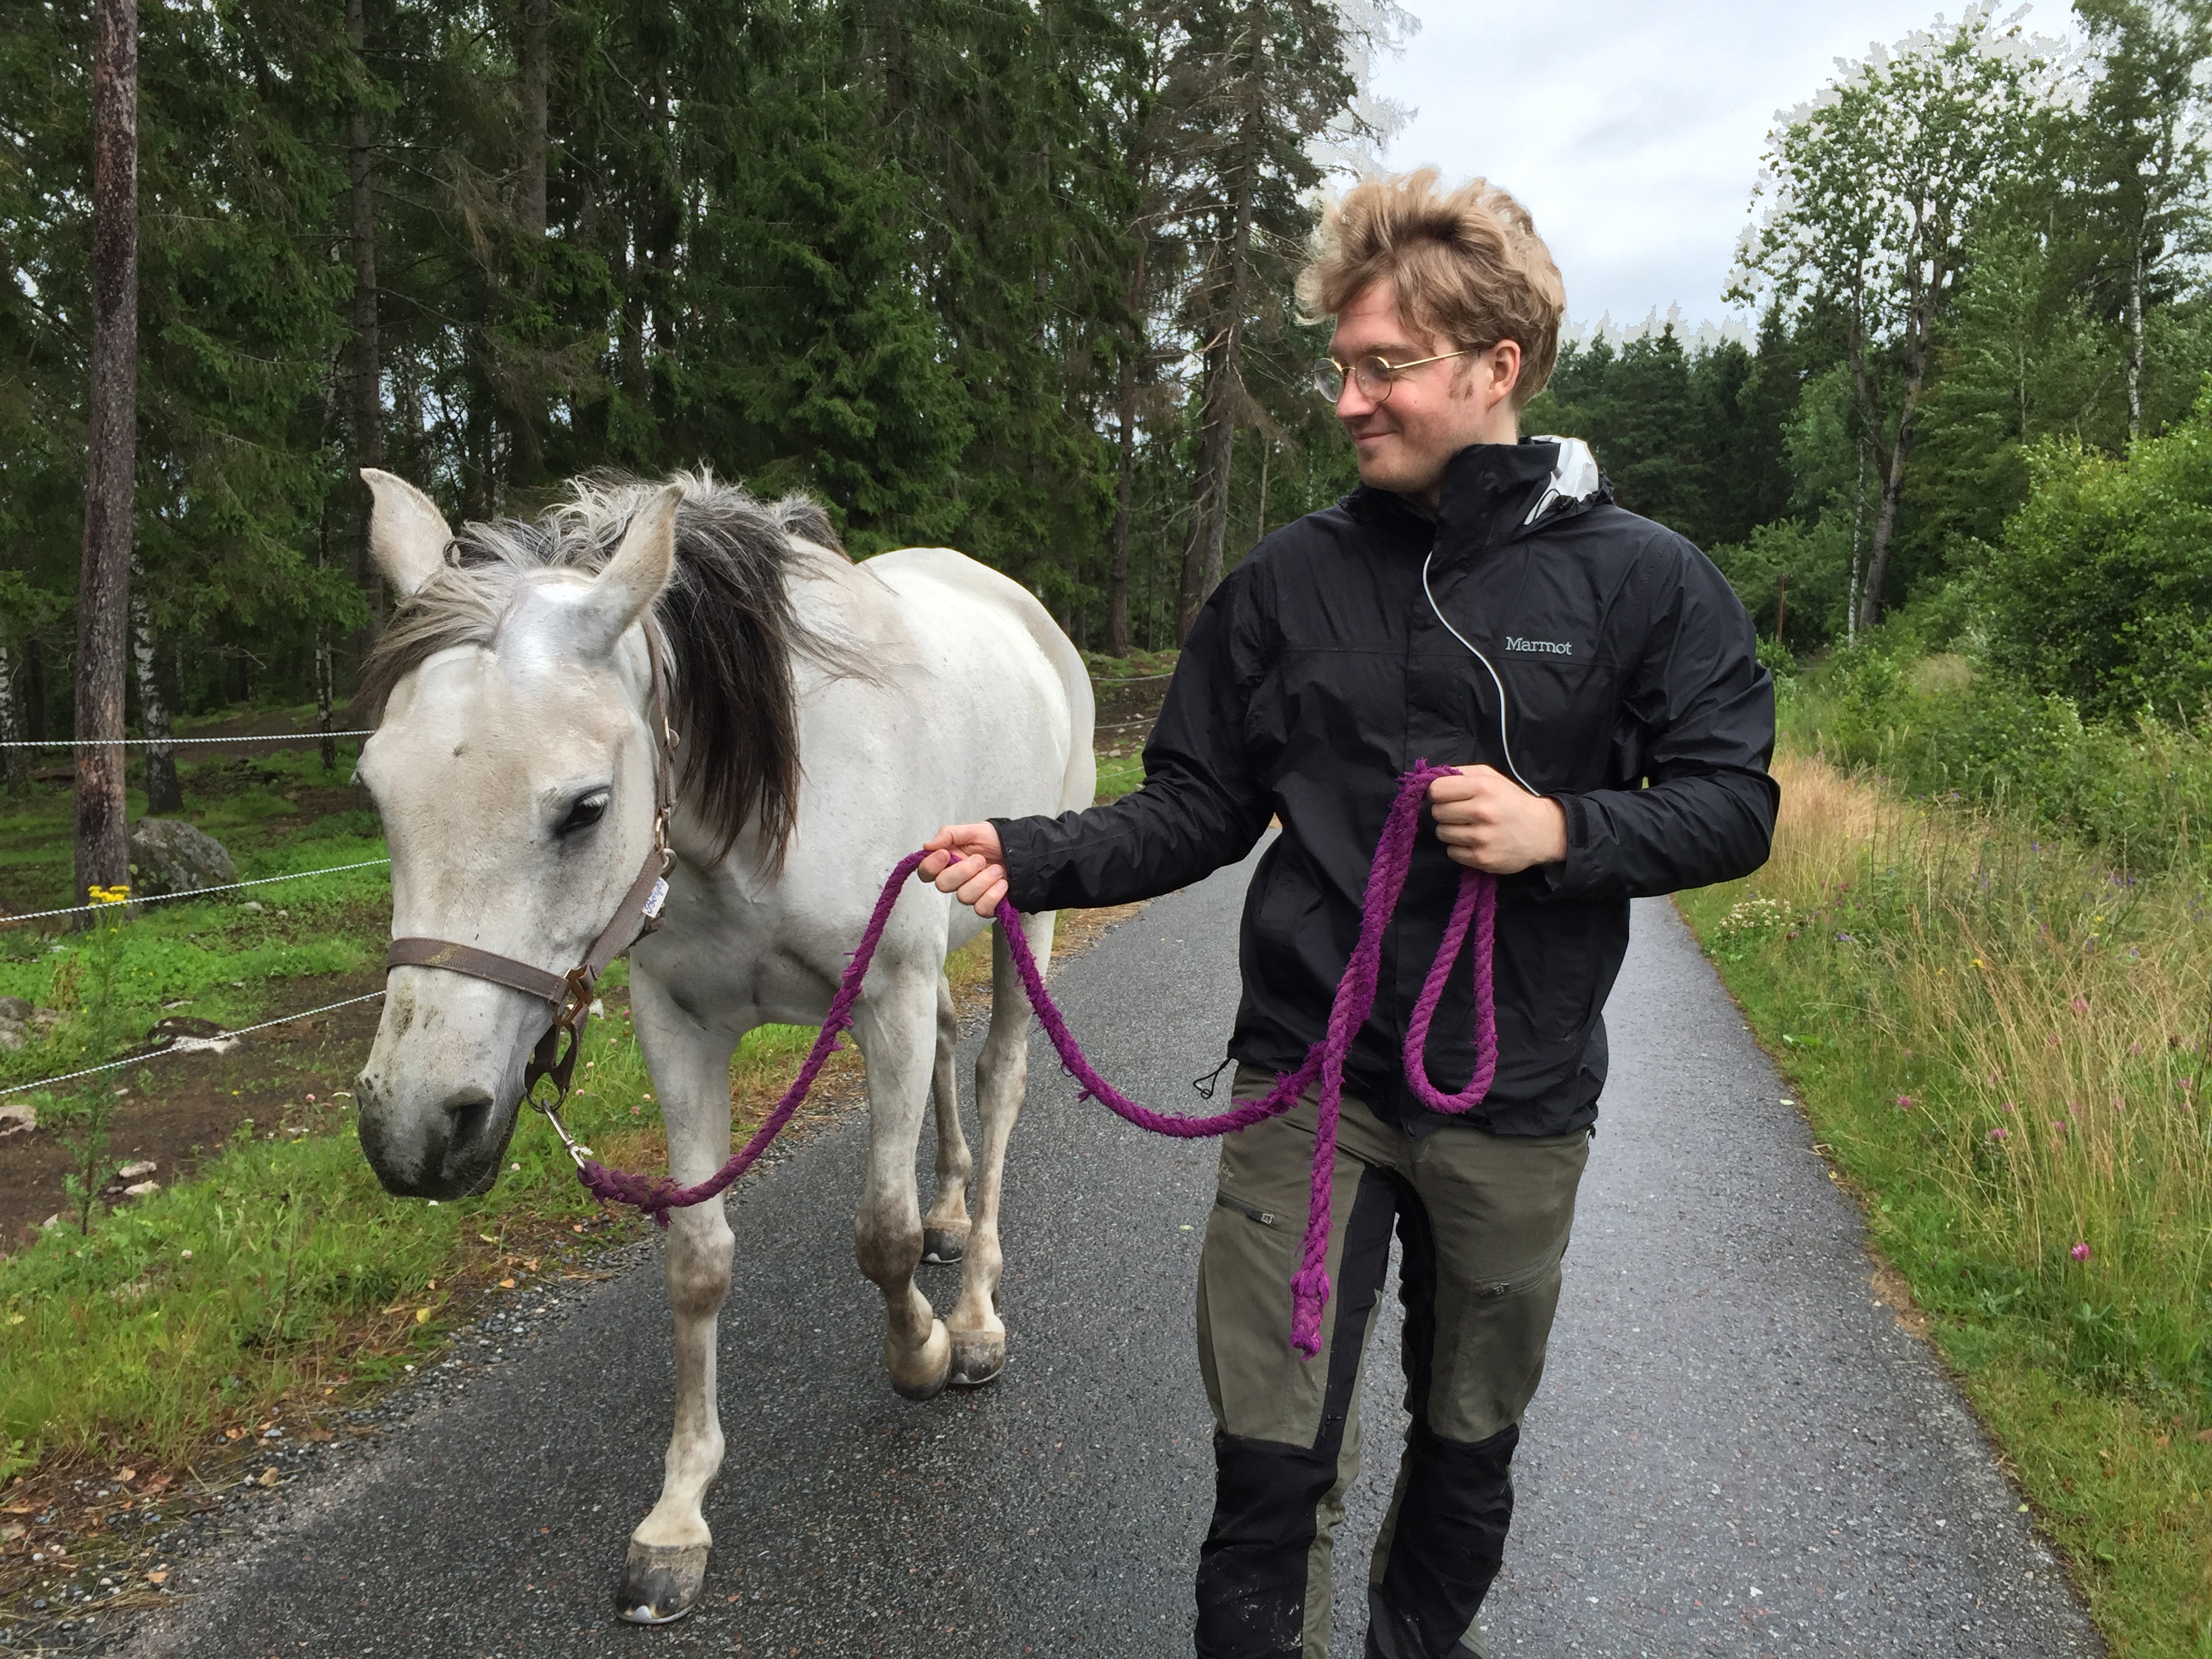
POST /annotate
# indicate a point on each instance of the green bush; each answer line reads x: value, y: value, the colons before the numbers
x: 2101, y: 588
x: 1939, y: 727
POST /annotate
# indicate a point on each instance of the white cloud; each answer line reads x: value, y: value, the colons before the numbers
x: 1633, y: 131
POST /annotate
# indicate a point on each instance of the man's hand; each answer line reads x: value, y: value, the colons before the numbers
x: 966, y: 860
x: 1488, y: 822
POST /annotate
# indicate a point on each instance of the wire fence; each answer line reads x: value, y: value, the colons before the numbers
x: 188, y: 1045
x: 195, y: 892
x: 167, y: 742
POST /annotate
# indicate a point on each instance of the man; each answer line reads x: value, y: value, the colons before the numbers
x: 1478, y: 599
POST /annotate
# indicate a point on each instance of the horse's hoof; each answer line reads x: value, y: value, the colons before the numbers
x: 941, y: 1248
x: 921, y: 1375
x: 660, y: 1582
x: 978, y: 1357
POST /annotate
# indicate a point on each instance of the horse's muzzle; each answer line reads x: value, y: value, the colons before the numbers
x: 448, y: 1149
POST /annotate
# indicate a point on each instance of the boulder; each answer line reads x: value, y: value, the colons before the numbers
x: 15, y: 1022
x: 168, y: 855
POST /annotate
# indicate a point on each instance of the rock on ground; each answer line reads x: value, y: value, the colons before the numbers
x: 168, y: 855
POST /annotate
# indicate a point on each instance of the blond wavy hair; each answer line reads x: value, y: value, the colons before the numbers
x: 1466, y: 263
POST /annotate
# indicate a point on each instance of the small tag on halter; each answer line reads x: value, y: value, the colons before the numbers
x: 658, y: 897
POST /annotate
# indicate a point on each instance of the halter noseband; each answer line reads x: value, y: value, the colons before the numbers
x: 570, y: 993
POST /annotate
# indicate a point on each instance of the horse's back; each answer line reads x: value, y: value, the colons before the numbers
x: 945, y: 595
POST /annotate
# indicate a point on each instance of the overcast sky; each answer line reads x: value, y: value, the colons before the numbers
x: 1631, y: 131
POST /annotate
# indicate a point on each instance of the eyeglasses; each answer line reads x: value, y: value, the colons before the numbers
x: 1373, y: 375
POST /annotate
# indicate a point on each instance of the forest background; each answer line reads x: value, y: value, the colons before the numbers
x: 1016, y: 280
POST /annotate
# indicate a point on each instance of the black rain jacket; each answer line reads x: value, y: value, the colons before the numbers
x: 1317, y: 673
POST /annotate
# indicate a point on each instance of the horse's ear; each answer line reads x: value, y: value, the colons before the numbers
x: 640, y: 568
x: 407, y: 534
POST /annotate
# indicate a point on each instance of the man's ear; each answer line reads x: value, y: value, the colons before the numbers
x: 407, y: 534
x: 1500, y: 372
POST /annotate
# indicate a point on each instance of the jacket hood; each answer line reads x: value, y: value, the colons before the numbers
x: 1492, y: 492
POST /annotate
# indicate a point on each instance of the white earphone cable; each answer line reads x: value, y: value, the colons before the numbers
x: 1505, y: 746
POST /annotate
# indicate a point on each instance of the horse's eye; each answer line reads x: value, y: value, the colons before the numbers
x: 587, y: 810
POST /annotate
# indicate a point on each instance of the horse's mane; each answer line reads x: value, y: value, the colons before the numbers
x: 732, y: 632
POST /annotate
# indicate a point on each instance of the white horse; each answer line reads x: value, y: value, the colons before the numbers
x: 832, y: 716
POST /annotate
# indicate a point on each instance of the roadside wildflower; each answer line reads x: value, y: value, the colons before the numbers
x: 2080, y: 1005
x: 1905, y: 1103
x: 2009, y: 1107
x: 2080, y: 1252
x: 2000, y: 1133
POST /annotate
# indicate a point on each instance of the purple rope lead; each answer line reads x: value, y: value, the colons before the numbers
x: 1475, y: 905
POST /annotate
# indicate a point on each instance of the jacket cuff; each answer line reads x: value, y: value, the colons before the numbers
x: 1572, y: 871
x: 1018, y: 851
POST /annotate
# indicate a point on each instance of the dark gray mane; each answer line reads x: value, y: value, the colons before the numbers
x: 727, y: 615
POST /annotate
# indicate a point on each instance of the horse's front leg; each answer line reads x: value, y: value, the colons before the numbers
x: 690, y: 1067
x: 897, y: 1024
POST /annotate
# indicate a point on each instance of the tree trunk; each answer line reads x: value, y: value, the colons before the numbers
x: 2135, y: 345
x: 1125, y: 496
x: 1885, y: 527
x: 530, y: 74
x: 1859, y: 523
x: 1209, y: 526
x: 14, y: 763
x: 368, y: 363
x: 164, y: 794
x: 35, y: 691
x: 103, y: 597
x: 1267, y: 459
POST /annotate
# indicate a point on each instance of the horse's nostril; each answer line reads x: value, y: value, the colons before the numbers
x: 471, y: 1112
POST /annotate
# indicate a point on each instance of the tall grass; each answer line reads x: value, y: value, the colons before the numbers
x: 2026, y: 1030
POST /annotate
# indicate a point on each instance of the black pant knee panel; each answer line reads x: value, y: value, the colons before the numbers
x: 1252, y: 1567
x: 1449, y: 1543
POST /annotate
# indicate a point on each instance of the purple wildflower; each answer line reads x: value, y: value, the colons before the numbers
x: 2080, y: 1252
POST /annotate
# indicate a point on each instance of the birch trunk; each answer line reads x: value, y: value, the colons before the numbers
x: 2135, y: 345
x: 14, y: 763
x: 1124, y: 493
x: 164, y: 795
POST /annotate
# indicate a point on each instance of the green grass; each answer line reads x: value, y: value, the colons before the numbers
x: 2001, y: 1045
x: 283, y: 1270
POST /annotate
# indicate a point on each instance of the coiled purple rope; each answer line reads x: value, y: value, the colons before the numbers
x: 1475, y: 905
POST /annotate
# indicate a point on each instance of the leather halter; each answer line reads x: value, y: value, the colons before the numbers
x: 570, y: 993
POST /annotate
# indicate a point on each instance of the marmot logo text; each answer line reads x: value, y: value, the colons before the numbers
x: 1555, y: 647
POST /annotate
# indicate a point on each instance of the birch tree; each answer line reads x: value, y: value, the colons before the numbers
x: 1870, y: 193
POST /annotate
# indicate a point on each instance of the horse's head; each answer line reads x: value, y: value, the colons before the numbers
x: 513, y: 768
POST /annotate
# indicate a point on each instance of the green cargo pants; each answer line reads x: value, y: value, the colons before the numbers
x: 1482, y: 1222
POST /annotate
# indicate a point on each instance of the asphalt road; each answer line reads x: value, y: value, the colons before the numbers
x: 1736, y: 1450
